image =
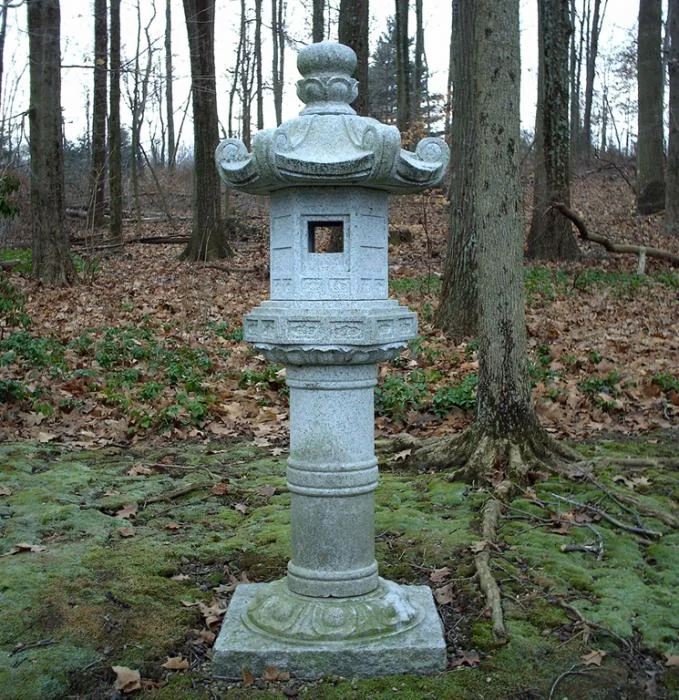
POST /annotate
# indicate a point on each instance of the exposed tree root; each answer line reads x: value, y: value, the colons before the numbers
x: 491, y: 517
x: 479, y: 457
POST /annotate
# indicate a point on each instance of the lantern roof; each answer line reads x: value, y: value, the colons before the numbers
x: 329, y: 144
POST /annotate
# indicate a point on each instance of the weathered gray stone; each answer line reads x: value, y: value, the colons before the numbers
x: 329, y: 321
x: 396, y: 630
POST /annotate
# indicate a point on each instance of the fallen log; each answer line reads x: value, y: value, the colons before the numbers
x: 642, y: 251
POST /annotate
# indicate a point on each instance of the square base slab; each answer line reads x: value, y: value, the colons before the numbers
x: 420, y: 650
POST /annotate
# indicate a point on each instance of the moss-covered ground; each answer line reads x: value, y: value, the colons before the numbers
x: 123, y: 557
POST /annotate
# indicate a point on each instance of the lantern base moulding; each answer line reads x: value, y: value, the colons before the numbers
x: 394, y: 629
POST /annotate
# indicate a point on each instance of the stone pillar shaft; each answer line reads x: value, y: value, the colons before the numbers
x: 332, y: 475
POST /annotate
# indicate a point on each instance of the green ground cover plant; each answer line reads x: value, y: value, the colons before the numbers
x: 128, y: 557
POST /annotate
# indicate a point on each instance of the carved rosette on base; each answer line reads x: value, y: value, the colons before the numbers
x: 329, y: 321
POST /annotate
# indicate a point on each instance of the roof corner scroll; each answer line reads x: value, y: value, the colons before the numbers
x: 329, y: 144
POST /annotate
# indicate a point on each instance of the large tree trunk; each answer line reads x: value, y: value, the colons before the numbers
x: 672, y: 193
x: 550, y: 236
x: 650, y: 148
x: 51, y: 256
x: 506, y: 440
x: 169, y: 99
x: 420, y: 89
x: 208, y: 236
x: 457, y: 311
x: 404, y: 112
x: 354, y: 21
x: 575, y: 72
x: 115, y: 176
x: 98, y: 171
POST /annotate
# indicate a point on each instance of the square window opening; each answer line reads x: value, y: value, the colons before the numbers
x: 326, y: 236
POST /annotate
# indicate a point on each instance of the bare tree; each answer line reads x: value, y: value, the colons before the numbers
x: 169, y: 98
x: 96, y: 202
x: 115, y: 176
x: 207, y: 236
x: 550, y: 235
x: 457, y: 312
x: 51, y: 256
x: 318, y: 20
x: 259, y: 89
x: 672, y: 190
x: 278, y: 55
x: 595, y: 20
x: 650, y: 147
x: 506, y: 441
x: 404, y: 114
x: 354, y: 21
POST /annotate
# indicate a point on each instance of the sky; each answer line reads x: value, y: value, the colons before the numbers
x: 77, y: 31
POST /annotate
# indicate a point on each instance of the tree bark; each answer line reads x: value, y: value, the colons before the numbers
x: 51, y: 256
x: 550, y: 236
x: 506, y: 441
x: 420, y: 88
x: 98, y: 171
x: 278, y: 54
x: 208, y: 236
x: 650, y: 147
x: 457, y: 312
x: 354, y: 21
x: 169, y: 98
x: 404, y: 113
x: 318, y: 21
x: 258, y: 64
x: 595, y: 20
x: 115, y: 178
x: 672, y: 191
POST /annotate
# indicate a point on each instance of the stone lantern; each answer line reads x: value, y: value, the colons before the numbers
x: 329, y: 174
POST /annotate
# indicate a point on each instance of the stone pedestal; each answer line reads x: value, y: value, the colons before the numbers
x: 329, y: 321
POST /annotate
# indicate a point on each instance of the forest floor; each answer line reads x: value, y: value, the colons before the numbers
x: 143, y: 468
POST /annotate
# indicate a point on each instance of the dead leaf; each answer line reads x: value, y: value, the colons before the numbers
x: 468, y: 658
x: 277, y: 451
x: 594, y: 657
x: 211, y: 613
x: 402, y: 455
x: 140, y: 470
x: 176, y: 663
x: 129, y: 511
x: 438, y: 575
x: 127, y: 679
x: 241, y: 508
x: 221, y: 488
x: 271, y: 673
x: 173, y: 527
x: 444, y: 594
x: 266, y: 491
x: 248, y: 678
x: 126, y: 532
x: 5, y: 491
x: 671, y: 660
x: 180, y: 577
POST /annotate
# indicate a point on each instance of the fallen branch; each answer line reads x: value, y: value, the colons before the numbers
x: 491, y: 517
x: 614, y: 521
x: 31, y: 645
x: 175, y: 493
x: 578, y: 669
x: 625, y: 501
x: 610, y: 246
